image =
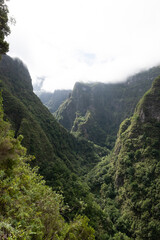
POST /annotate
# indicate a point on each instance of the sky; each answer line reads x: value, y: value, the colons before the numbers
x: 65, y: 41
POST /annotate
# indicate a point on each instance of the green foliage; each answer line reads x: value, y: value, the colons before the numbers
x: 62, y: 159
x: 80, y: 230
x: 28, y: 208
x: 120, y: 236
x: 95, y: 111
x: 120, y: 194
x: 126, y: 183
x: 30, y: 118
x: 4, y: 28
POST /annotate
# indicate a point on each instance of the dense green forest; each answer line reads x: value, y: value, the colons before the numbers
x: 97, y: 191
x: 61, y: 186
x: 127, y: 181
x: 62, y: 159
x: 94, y: 111
x: 28, y: 208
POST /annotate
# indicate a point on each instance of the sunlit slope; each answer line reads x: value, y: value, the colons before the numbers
x: 128, y: 181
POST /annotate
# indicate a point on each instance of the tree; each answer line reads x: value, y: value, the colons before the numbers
x: 4, y: 28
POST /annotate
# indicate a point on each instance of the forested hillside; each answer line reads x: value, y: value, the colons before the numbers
x: 96, y: 110
x: 119, y: 193
x: 62, y: 159
x: 44, y: 137
x: 28, y: 208
x: 92, y: 193
x: 127, y: 182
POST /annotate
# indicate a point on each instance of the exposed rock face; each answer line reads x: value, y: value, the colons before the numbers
x: 150, y: 104
x: 95, y: 111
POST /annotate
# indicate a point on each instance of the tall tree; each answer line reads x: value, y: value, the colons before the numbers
x: 4, y: 28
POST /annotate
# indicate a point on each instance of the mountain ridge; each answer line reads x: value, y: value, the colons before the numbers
x: 94, y: 111
x: 62, y: 159
x: 29, y: 105
x: 127, y: 181
x: 114, y: 191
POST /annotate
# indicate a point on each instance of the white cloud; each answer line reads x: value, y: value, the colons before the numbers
x: 86, y: 40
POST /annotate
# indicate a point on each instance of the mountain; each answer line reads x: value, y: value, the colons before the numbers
x: 137, y: 174
x: 127, y: 183
x: 95, y: 111
x: 53, y: 100
x: 43, y: 136
x: 63, y: 160
x: 28, y: 208
x: 119, y: 191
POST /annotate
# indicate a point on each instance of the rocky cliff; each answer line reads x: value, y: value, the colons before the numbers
x: 95, y: 111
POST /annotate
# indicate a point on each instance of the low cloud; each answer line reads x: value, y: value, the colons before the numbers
x: 85, y: 40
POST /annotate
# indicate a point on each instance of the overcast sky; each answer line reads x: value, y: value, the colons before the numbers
x: 66, y: 41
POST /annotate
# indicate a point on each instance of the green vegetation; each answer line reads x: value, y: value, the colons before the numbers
x: 62, y: 159
x: 28, y: 208
x: 31, y: 119
x: 4, y: 28
x: 91, y: 194
x: 137, y: 170
x: 118, y: 192
x: 127, y: 182
x: 95, y: 111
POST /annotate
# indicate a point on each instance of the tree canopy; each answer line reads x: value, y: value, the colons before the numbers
x: 4, y: 28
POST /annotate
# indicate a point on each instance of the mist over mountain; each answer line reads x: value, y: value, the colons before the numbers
x: 53, y: 100
x: 95, y: 110
x: 117, y: 191
x: 37, y: 87
x: 97, y: 177
x: 32, y: 119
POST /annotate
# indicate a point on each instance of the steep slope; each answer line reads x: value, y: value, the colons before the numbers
x: 53, y: 100
x: 137, y: 174
x: 61, y: 157
x: 44, y: 137
x: 128, y: 182
x: 95, y: 111
x: 28, y: 208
